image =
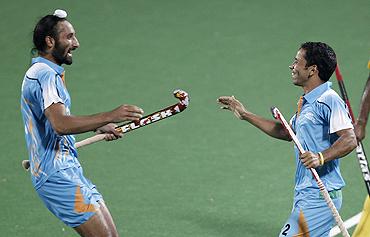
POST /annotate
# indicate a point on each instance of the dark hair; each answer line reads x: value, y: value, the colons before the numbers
x: 321, y: 55
x: 45, y: 27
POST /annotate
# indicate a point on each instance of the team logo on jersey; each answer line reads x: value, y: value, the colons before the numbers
x: 310, y: 116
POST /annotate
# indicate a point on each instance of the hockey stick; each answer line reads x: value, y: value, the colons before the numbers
x: 151, y: 118
x: 361, y: 156
x: 277, y: 115
x: 148, y: 119
x: 348, y: 224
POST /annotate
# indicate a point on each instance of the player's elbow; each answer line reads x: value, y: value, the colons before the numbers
x: 61, y: 127
x: 351, y: 142
x: 61, y: 130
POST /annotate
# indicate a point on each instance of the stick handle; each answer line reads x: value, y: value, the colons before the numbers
x: 330, y: 203
x: 90, y: 140
x: 85, y: 142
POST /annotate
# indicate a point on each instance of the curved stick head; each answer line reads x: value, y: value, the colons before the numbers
x: 26, y: 164
x: 275, y: 112
x: 182, y: 96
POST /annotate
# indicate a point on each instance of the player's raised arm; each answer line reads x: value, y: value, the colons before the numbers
x: 268, y: 126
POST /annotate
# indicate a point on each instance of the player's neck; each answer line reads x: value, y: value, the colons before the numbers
x: 312, y: 84
x: 49, y: 57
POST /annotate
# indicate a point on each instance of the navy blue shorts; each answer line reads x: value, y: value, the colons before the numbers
x: 70, y: 196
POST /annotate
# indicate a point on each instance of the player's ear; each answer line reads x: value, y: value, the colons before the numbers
x: 313, y: 70
x: 50, y: 41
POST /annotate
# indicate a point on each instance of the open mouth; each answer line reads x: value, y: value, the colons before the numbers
x: 69, y: 53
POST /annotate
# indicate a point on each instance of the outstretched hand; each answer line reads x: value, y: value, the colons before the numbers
x: 110, y: 132
x: 232, y: 104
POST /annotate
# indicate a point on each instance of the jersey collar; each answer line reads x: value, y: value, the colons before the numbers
x: 55, y: 67
x: 317, y: 92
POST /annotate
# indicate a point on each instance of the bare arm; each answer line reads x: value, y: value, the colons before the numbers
x: 360, y: 124
x: 69, y: 124
x: 270, y: 127
x: 341, y: 147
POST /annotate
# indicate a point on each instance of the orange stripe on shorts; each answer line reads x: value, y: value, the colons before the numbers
x: 303, y: 227
x: 80, y: 205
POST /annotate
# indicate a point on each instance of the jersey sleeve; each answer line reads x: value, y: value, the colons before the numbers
x: 337, y: 114
x: 292, y: 122
x: 49, y: 89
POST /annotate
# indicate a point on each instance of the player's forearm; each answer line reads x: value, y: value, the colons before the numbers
x: 64, y: 124
x: 365, y: 105
x: 70, y: 124
x: 270, y: 127
x: 342, y: 147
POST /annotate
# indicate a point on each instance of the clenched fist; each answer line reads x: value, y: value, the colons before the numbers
x: 126, y: 113
x: 110, y: 132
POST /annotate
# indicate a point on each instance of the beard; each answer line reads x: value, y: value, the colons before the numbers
x: 60, y: 55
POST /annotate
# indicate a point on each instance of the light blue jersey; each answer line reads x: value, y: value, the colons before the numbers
x: 48, y: 152
x: 323, y: 114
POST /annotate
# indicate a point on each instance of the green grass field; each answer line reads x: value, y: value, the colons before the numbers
x: 202, y: 173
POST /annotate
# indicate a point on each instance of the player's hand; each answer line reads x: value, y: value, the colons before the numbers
x: 360, y: 130
x: 232, y: 104
x: 126, y: 113
x: 110, y: 132
x: 310, y: 159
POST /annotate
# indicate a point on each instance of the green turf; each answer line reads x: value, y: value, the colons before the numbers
x: 202, y: 173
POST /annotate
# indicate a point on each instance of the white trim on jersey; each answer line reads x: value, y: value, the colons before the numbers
x: 49, y: 90
x: 339, y: 121
x: 50, y: 95
x: 339, y: 117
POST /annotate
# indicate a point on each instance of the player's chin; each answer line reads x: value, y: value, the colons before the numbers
x: 295, y: 82
x: 68, y: 60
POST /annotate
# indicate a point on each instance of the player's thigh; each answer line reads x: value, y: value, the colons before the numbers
x: 70, y: 197
x: 292, y: 225
x: 107, y: 216
x: 313, y: 220
x: 99, y: 225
